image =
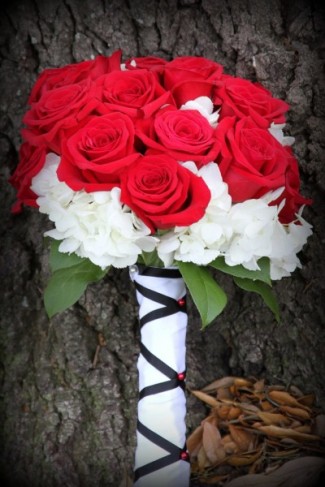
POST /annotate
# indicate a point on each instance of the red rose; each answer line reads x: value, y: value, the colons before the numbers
x: 136, y: 93
x: 253, y: 162
x: 243, y: 98
x: 94, y: 156
x: 183, y: 134
x: 61, y: 108
x: 70, y: 74
x: 190, y: 68
x: 189, y: 77
x: 152, y: 63
x: 189, y: 90
x: 293, y: 199
x: 163, y: 193
x: 31, y: 161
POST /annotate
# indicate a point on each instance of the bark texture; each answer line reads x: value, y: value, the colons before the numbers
x: 65, y: 421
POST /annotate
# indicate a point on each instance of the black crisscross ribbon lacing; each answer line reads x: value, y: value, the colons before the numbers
x: 175, y: 379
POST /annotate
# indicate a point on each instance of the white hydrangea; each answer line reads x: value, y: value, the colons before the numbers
x: 93, y: 225
x: 287, y: 242
x: 253, y: 224
x: 276, y: 129
x: 204, y: 105
x: 99, y: 227
x: 259, y: 233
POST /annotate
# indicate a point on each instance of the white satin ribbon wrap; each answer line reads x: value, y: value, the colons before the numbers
x: 163, y: 413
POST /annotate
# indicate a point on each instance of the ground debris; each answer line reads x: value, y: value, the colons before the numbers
x: 253, y: 428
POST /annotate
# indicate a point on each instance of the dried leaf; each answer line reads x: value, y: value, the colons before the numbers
x: 297, y: 412
x: 205, y: 398
x: 304, y: 428
x: 202, y: 459
x: 240, y: 382
x: 242, y: 438
x: 225, y: 439
x: 289, y: 441
x: 250, y: 408
x: 308, y: 400
x: 224, y: 393
x: 212, y: 419
x: 194, y: 441
x: 287, y: 433
x: 244, y: 459
x: 221, y: 453
x: 273, y: 418
x: 285, y: 453
x: 211, y: 442
x: 282, y: 397
x: 224, y: 382
x: 295, y: 424
x: 266, y: 406
x: 233, y: 413
x: 301, y: 472
x: 259, y: 386
x: 223, y: 411
x: 229, y: 445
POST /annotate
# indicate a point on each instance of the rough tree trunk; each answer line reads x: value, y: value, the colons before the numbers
x: 65, y: 421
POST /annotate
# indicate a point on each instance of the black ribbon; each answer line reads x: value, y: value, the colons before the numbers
x: 159, y: 272
x: 175, y: 453
x: 169, y: 306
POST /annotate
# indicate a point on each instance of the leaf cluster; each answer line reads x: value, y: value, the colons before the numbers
x: 210, y: 299
x: 72, y: 274
x: 70, y: 277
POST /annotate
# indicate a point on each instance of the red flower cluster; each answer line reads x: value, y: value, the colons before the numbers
x: 121, y: 125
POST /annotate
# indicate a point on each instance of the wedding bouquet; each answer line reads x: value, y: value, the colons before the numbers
x: 162, y: 165
x: 165, y: 163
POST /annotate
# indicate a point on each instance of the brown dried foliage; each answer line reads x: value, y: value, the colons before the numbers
x: 253, y: 428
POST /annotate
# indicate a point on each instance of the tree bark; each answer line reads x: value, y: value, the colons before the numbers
x: 69, y: 385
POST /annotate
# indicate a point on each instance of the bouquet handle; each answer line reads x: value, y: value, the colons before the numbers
x: 161, y: 458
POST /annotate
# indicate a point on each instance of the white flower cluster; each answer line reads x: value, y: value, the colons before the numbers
x: 93, y: 225
x: 99, y: 227
x: 242, y: 232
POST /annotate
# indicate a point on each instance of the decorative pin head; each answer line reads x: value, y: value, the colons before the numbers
x: 133, y: 270
x: 184, y: 456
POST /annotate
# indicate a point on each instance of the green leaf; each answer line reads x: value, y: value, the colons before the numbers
x: 67, y: 284
x: 151, y: 259
x: 240, y: 271
x: 264, y: 290
x: 60, y: 260
x: 207, y: 295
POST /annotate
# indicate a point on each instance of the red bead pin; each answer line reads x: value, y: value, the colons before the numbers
x: 184, y: 456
